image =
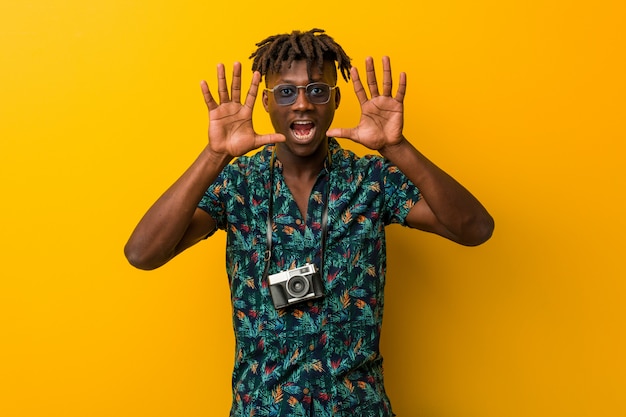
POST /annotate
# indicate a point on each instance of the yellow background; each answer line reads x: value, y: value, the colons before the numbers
x: 522, y: 101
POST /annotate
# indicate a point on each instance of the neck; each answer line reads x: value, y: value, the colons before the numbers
x: 304, y: 167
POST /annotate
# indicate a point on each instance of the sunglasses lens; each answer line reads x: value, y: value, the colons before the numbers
x: 285, y: 94
x: 318, y: 93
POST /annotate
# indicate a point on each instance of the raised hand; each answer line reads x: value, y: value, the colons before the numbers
x: 382, y: 116
x: 230, y: 122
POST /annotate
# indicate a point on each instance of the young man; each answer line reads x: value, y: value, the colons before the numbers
x: 305, y: 225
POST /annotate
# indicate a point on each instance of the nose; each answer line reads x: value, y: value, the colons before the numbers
x: 302, y: 101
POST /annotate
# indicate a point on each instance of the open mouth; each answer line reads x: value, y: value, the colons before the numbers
x: 303, y: 130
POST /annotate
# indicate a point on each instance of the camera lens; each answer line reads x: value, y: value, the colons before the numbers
x: 298, y: 286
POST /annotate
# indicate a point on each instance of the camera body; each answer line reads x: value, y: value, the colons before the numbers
x: 295, y: 285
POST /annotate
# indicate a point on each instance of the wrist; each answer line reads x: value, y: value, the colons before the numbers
x: 214, y: 158
x: 398, y: 147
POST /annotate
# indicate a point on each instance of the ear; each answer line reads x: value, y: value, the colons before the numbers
x: 264, y: 99
x: 337, y: 97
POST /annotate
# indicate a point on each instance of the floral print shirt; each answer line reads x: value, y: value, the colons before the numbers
x: 320, y: 357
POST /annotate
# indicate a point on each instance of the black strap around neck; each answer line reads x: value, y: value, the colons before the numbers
x: 270, y: 215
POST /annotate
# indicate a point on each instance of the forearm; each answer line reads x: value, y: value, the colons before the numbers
x: 157, y: 236
x: 454, y: 207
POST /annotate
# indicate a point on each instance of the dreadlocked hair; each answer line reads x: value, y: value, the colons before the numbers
x: 314, y: 46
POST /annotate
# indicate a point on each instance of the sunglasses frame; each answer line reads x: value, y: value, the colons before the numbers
x: 306, y: 92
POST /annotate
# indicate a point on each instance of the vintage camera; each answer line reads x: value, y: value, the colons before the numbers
x: 295, y: 285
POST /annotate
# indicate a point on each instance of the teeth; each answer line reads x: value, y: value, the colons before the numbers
x: 303, y: 137
x: 307, y: 136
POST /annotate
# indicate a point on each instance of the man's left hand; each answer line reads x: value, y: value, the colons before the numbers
x: 382, y: 116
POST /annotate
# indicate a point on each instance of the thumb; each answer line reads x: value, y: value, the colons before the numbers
x: 261, y: 140
x: 341, y: 132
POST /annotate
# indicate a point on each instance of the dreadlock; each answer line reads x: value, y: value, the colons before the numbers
x: 314, y: 46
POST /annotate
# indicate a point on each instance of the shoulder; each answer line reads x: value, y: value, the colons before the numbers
x: 249, y: 166
x: 368, y: 167
x: 347, y: 160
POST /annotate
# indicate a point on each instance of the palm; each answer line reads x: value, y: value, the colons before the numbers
x: 230, y: 129
x: 381, y: 122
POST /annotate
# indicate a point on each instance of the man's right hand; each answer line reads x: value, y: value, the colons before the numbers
x: 230, y: 122
x: 174, y: 222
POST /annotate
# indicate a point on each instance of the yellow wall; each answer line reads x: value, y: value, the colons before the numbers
x: 523, y: 101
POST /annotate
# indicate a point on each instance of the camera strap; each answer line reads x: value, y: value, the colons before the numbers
x: 270, y: 216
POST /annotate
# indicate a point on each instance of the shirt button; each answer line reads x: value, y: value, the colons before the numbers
x: 298, y: 222
x: 311, y: 347
x: 305, y: 391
